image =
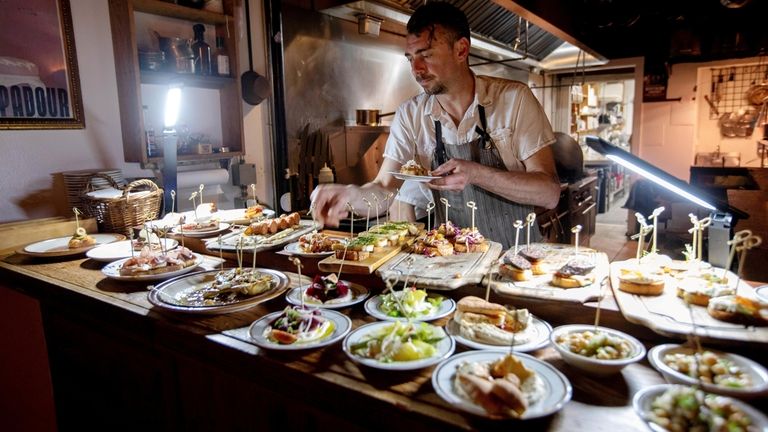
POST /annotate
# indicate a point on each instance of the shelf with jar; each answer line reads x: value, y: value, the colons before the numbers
x: 157, y: 45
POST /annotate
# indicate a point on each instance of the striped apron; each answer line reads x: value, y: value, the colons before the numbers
x: 495, y: 215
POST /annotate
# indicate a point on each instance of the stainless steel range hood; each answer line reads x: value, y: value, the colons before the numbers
x: 498, y: 34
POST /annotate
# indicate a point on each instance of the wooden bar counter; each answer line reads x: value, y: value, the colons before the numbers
x: 118, y: 363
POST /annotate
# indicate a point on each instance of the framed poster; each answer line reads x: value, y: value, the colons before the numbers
x: 39, y: 80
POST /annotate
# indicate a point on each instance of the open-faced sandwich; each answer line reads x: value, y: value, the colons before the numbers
x: 299, y: 326
x: 469, y: 240
x: 641, y: 279
x: 432, y: 243
x: 153, y: 262
x: 535, y: 255
x: 413, y: 168
x: 81, y: 239
x: 515, y: 267
x: 316, y: 242
x: 698, y: 287
x: 328, y: 289
x: 576, y: 273
x: 359, y: 248
x: 739, y: 309
x: 504, y: 388
x: 491, y: 323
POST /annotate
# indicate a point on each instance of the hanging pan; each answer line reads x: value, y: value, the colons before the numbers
x: 255, y: 87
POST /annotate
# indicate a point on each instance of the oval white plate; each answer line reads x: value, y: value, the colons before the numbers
x: 762, y: 293
x: 359, y: 293
x: 557, y: 391
x: 238, y: 215
x: 223, y: 226
x: 373, y: 305
x: 342, y: 325
x: 642, y: 400
x: 121, y: 249
x: 757, y: 373
x: 416, y: 178
x: 59, y: 246
x: 112, y: 271
x: 164, y: 294
x: 540, y: 338
x: 293, y: 249
x: 445, y: 348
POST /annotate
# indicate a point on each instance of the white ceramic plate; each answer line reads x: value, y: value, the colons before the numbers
x: 757, y: 373
x: 223, y: 226
x: 762, y: 293
x: 238, y: 215
x: 59, y: 246
x: 230, y: 241
x: 342, y: 326
x: 539, y: 337
x: 293, y: 249
x: 373, y: 305
x: 164, y: 294
x: 643, y: 399
x: 416, y: 178
x: 445, y: 348
x: 112, y: 271
x: 359, y: 293
x: 121, y: 249
x: 557, y: 391
x: 590, y: 364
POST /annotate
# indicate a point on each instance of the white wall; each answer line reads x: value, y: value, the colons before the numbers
x: 29, y: 158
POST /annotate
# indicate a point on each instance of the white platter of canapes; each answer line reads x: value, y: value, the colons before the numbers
x: 718, y: 372
x: 498, y: 384
x: 679, y: 407
x: 480, y: 324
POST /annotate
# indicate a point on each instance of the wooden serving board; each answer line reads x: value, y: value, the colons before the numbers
x: 668, y: 315
x: 366, y: 266
x: 441, y: 273
x: 540, y: 286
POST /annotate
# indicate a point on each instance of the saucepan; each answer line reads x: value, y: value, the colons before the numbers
x: 369, y: 117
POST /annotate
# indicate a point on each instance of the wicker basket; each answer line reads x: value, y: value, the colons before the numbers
x: 132, y: 208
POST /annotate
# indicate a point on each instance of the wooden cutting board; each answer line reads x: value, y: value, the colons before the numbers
x: 540, y: 286
x: 366, y: 266
x: 668, y: 315
x: 441, y: 273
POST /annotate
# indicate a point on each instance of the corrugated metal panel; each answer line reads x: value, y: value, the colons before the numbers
x: 497, y: 24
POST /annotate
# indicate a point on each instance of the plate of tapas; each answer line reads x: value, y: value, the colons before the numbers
x: 79, y: 243
x: 327, y: 292
x: 153, y: 265
x: 718, y: 372
x: 219, y: 291
x: 243, y: 216
x: 265, y: 234
x: 126, y: 248
x: 313, y: 244
x: 297, y: 328
x: 677, y: 407
x: 398, y: 345
x: 500, y: 385
x: 198, y: 229
x: 412, y: 177
x: 409, y: 304
x: 479, y: 324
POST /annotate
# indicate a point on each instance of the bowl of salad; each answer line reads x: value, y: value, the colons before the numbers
x: 594, y: 349
x: 409, y: 304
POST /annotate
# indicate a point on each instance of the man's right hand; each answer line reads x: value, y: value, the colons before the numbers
x: 329, y: 202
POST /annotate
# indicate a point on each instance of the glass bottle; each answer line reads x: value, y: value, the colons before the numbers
x: 202, y: 51
x: 222, y: 59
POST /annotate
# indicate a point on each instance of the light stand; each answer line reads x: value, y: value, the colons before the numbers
x: 723, y: 216
x: 169, y: 172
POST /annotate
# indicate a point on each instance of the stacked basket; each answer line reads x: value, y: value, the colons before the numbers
x: 131, y: 206
x: 76, y: 181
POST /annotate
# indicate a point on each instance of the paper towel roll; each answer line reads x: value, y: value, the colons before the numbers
x: 210, y: 178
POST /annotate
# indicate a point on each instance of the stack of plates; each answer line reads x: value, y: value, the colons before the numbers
x: 75, y: 183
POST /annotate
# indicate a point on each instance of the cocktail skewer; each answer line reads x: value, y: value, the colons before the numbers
x: 368, y: 213
x: 576, y: 230
x: 518, y: 225
x: 655, y: 216
x: 529, y: 221
x: 473, y: 206
x: 447, y: 206
x: 430, y: 207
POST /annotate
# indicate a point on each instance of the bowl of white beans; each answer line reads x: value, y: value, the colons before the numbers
x: 594, y: 349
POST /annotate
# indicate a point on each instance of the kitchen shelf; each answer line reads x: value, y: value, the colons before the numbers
x: 188, y: 80
x: 198, y: 157
x: 180, y: 12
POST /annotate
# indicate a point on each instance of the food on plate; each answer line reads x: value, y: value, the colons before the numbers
x: 297, y: 325
x: 683, y: 408
x: 535, y: 255
x: 272, y: 226
x: 699, y: 290
x: 328, y: 289
x: 358, y: 249
x: 395, y: 233
x: 228, y: 286
x: 413, y: 168
x: 712, y: 368
x: 449, y: 230
x: 81, y: 239
x: 469, y: 240
x: 254, y: 212
x: 598, y: 345
x: 399, y: 342
x: 739, y: 309
x: 642, y: 280
x: 201, y: 225
x: 415, y: 303
x: 154, y: 262
x: 432, y: 243
x: 408, y: 228
x: 576, y: 273
x: 504, y: 388
x: 492, y: 323
x: 316, y: 242
x: 146, y: 239
x: 515, y: 267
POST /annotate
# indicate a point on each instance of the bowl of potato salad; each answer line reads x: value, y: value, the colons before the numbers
x: 594, y: 349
